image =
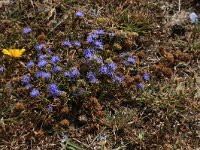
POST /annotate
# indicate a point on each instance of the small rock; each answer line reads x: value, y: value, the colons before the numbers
x: 193, y: 18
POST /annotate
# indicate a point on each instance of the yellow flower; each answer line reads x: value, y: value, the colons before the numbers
x: 13, y: 52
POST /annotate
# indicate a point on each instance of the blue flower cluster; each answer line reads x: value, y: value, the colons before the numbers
x: 92, y: 78
x: 49, y: 66
x: 72, y: 74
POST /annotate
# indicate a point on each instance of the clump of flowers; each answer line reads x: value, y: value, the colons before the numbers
x: 49, y: 77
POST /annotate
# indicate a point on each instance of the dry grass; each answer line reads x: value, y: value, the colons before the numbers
x: 165, y: 114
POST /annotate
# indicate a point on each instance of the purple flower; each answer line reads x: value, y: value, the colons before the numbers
x: 79, y: 14
x: 67, y: 43
x: 122, y: 55
x: 88, y: 51
x: 2, y: 69
x: 42, y: 56
x: 55, y: 59
x: 146, y: 77
x: 111, y: 34
x: 105, y: 70
x: 112, y: 66
x: 91, y: 37
x: 99, y: 32
x: 91, y: 77
x: 118, y: 78
x: 49, y: 108
x: 29, y: 86
x: 39, y: 74
x: 39, y: 47
x: 42, y: 63
x: 42, y: 74
x: 90, y: 55
x: 56, y: 69
x: 53, y: 90
x: 25, y: 79
x: 140, y: 86
x: 30, y: 64
x: 34, y: 93
x: 67, y: 74
x: 99, y: 44
x: 99, y: 60
x: 78, y: 44
x: 74, y: 73
x: 27, y: 30
x: 49, y: 51
x: 101, y: 138
x: 131, y: 60
x: 46, y: 75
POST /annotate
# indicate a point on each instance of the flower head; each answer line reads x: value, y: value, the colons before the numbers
x: 146, y: 77
x: 140, y: 86
x: 111, y: 34
x: 39, y: 47
x: 131, y: 60
x: 34, y: 93
x: 2, y: 69
x: 91, y: 77
x: 103, y: 70
x: 42, y: 74
x: 79, y: 14
x: 49, y: 108
x: 14, y: 52
x: 99, y: 60
x: 74, y: 73
x: 49, y: 51
x: 78, y: 44
x: 39, y: 74
x: 29, y: 86
x: 101, y: 137
x: 99, y: 32
x: 112, y: 66
x: 118, y: 78
x: 99, y: 44
x: 91, y: 37
x: 122, y: 55
x: 27, y: 30
x: 46, y: 75
x: 67, y: 43
x: 88, y: 51
x: 42, y: 63
x: 53, y: 90
x: 56, y: 69
x: 25, y: 79
x: 30, y: 64
x: 67, y: 74
x: 55, y: 59
x: 106, y: 70
x: 42, y: 56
